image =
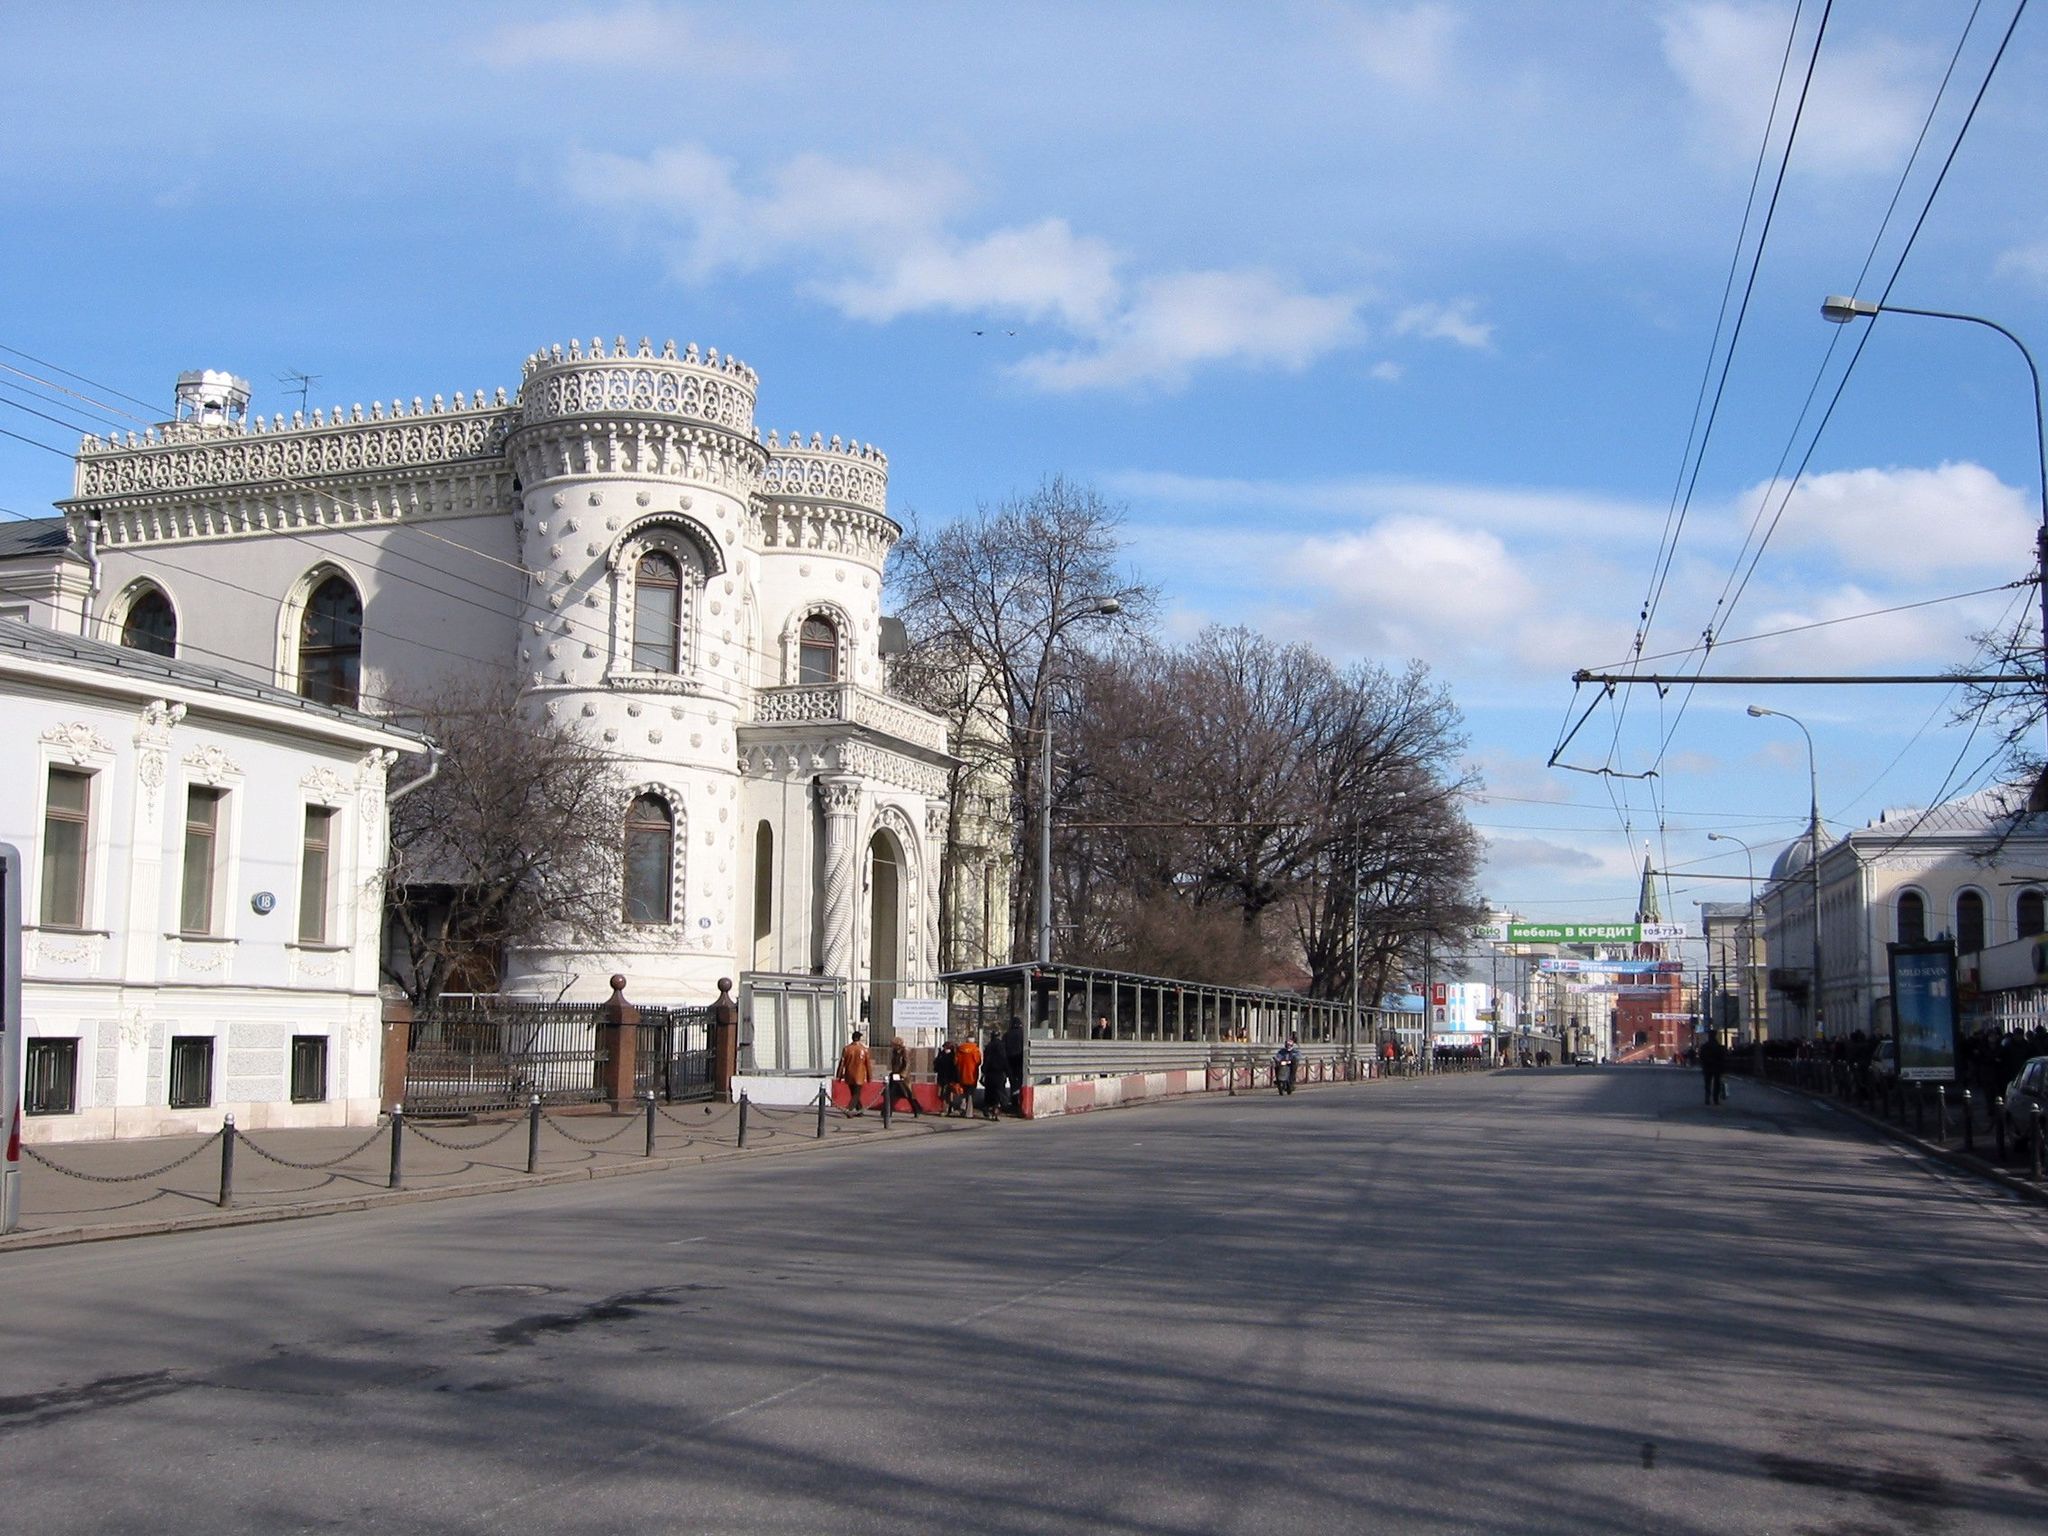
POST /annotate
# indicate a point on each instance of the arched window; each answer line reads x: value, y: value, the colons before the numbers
x: 331, y: 644
x: 1969, y: 922
x: 818, y: 651
x: 657, y: 613
x: 650, y: 857
x: 151, y: 624
x: 1912, y: 918
x: 2030, y: 914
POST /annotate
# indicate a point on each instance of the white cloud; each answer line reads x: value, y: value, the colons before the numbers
x: 1445, y: 322
x: 630, y: 36
x: 807, y: 205
x: 1386, y: 371
x: 1038, y: 271
x: 1900, y: 522
x: 1186, y: 320
x: 2029, y: 262
x: 881, y: 242
x: 1511, y: 853
x: 1406, y: 47
x: 1862, y: 115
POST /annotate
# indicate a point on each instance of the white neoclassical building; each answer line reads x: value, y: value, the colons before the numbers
x: 202, y: 892
x: 702, y: 598
x: 1975, y: 870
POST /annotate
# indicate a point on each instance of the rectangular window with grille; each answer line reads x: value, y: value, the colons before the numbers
x: 309, y: 1069
x: 191, y: 1071
x: 67, y: 840
x: 197, y: 909
x: 316, y: 865
x: 50, y: 1083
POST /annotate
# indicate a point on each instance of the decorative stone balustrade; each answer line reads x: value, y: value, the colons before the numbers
x: 616, y: 381
x: 849, y: 704
x: 174, y: 460
x: 850, y: 473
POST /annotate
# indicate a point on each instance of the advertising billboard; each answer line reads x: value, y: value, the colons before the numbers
x: 11, y: 1046
x: 1924, y: 1010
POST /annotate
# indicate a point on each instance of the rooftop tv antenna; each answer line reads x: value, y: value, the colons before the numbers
x: 299, y: 383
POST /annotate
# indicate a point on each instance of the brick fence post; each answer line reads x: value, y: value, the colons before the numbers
x: 620, y: 1037
x: 725, y: 1038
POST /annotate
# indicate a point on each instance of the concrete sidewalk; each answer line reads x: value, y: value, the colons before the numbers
x: 85, y: 1191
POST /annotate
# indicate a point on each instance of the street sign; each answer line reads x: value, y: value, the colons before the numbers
x: 1620, y: 967
x: 919, y: 1022
x: 1585, y: 933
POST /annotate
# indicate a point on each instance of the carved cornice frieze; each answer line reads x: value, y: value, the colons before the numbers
x: 152, y: 467
x: 851, y: 474
x: 615, y: 382
x: 828, y: 528
x: 827, y: 703
x: 642, y: 448
x: 78, y: 742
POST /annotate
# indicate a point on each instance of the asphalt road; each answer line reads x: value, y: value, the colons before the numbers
x: 1562, y: 1302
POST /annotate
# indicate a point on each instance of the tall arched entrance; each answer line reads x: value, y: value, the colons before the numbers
x: 885, y: 929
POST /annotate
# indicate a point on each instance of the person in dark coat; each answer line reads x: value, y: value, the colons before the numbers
x: 946, y: 1074
x: 1013, y: 1065
x: 898, y: 1088
x: 1713, y: 1068
x: 994, y: 1067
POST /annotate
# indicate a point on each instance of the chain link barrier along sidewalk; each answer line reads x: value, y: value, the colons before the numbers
x: 69, y: 1201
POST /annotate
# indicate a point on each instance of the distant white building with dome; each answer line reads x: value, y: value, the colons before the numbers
x: 703, y: 598
x: 1975, y: 870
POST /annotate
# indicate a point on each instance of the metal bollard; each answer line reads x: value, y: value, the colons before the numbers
x: 1919, y: 1108
x: 533, y: 1135
x: 1230, y: 1073
x: 227, y: 1160
x: 1941, y: 1112
x: 650, y: 1125
x: 1969, y: 1125
x: 1998, y: 1123
x: 397, y: 1179
x: 824, y: 1097
x: 888, y: 1093
x: 743, y: 1117
x: 2037, y: 1153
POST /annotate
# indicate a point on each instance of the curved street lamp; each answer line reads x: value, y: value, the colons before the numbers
x: 1757, y: 712
x: 1749, y: 922
x: 1842, y: 308
x: 1091, y: 608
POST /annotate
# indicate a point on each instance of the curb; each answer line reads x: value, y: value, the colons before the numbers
x: 1961, y: 1161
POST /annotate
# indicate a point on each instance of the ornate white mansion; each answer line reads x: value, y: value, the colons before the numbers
x: 701, y: 598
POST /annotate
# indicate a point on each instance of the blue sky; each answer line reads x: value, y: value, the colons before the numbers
x: 1387, y: 321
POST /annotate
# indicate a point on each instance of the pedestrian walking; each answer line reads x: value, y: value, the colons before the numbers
x: 899, y: 1078
x: 856, y: 1067
x: 967, y: 1058
x: 994, y: 1063
x: 946, y: 1077
x: 1713, y: 1068
x: 1013, y: 1065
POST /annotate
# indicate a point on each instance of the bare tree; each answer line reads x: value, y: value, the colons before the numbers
x: 993, y: 606
x: 1239, y: 776
x: 515, y: 841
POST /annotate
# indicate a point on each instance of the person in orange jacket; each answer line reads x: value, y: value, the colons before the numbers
x: 968, y: 1057
x: 856, y: 1066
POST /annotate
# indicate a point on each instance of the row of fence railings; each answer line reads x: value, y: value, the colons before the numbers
x: 483, y: 1055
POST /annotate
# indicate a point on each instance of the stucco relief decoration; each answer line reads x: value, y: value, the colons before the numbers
x: 134, y: 1030
x: 82, y: 950
x: 78, y: 742
x: 205, y: 959
x: 212, y: 764
x: 327, y: 786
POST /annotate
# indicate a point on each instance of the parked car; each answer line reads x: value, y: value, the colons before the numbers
x: 1884, y: 1065
x: 2025, y: 1095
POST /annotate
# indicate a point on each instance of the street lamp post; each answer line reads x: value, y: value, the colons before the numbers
x: 1749, y: 923
x: 1757, y: 712
x: 1841, y: 309
x: 1092, y: 607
